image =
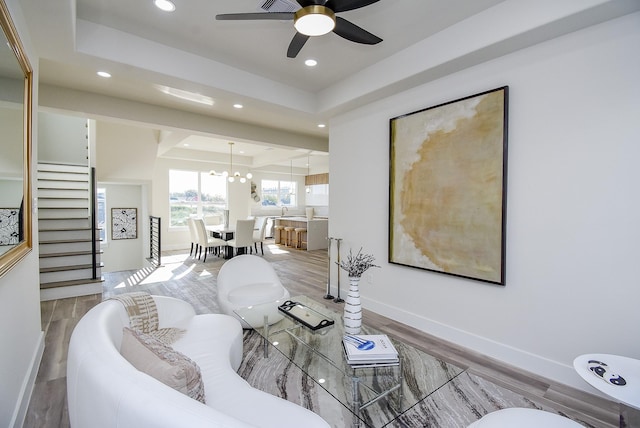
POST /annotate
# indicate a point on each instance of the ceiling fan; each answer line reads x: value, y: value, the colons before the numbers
x: 315, y: 18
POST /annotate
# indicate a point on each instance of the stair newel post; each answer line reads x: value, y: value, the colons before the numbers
x: 328, y: 295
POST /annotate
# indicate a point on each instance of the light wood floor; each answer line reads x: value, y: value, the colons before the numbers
x: 303, y: 273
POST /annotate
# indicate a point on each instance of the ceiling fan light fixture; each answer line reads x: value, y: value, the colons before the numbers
x: 165, y: 5
x: 314, y: 20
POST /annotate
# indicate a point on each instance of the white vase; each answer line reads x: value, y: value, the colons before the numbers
x: 309, y: 214
x: 352, y: 308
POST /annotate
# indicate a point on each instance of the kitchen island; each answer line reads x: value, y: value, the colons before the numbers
x: 317, y: 230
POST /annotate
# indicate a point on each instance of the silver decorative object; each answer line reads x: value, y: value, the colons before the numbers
x: 328, y: 295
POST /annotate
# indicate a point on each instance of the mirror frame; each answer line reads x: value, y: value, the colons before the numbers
x: 18, y: 252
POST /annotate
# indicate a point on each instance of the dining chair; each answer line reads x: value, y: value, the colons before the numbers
x: 193, y: 234
x: 243, y: 235
x: 205, y: 240
x: 258, y: 233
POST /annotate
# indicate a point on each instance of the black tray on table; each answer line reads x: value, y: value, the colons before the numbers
x: 305, y: 315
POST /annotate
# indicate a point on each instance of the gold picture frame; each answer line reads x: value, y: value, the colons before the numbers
x: 18, y: 94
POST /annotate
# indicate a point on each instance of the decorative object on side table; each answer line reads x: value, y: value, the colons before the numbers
x: 355, y: 267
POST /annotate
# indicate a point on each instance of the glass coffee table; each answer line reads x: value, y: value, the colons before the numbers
x: 375, y: 395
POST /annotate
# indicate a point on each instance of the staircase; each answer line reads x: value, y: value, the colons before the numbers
x: 69, y: 252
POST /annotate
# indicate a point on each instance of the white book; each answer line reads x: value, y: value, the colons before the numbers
x: 369, y: 348
x: 360, y: 365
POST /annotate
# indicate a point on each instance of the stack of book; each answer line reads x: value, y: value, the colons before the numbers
x: 369, y: 350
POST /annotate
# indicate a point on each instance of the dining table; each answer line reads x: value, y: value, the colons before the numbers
x: 225, y: 233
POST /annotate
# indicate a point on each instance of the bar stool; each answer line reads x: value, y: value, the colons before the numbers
x: 277, y: 233
x: 300, y: 231
x: 289, y: 230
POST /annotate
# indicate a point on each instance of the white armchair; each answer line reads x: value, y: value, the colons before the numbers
x: 249, y: 280
x: 523, y: 418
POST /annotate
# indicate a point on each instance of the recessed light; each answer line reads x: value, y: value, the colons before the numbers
x: 321, y: 125
x: 103, y: 74
x: 238, y: 106
x: 165, y: 5
x: 311, y: 63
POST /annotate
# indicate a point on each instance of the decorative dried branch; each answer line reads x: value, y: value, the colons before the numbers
x: 358, y: 264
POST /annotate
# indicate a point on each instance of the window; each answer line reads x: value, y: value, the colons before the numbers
x: 101, y: 212
x: 279, y: 193
x: 193, y: 193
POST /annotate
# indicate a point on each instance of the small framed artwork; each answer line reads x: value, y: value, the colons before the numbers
x: 447, y: 189
x: 9, y: 226
x: 124, y: 223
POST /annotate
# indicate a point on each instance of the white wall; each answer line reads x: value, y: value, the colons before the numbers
x: 125, y: 254
x: 125, y: 158
x: 63, y: 139
x: 572, y: 225
x: 124, y: 153
x: 20, y: 331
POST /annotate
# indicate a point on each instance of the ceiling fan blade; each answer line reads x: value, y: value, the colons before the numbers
x: 345, y: 5
x: 296, y: 44
x: 354, y: 33
x: 280, y: 16
x: 305, y: 3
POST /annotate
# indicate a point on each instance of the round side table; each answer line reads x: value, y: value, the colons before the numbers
x: 616, y: 376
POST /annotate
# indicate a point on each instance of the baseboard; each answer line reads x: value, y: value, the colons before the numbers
x: 20, y: 412
x: 542, y: 367
x: 70, y: 291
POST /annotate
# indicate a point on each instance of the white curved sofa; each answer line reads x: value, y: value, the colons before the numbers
x: 104, y: 390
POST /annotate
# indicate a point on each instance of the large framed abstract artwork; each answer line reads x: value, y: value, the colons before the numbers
x: 124, y: 223
x: 447, y: 201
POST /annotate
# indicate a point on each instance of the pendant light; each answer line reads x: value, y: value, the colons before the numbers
x: 232, y: 176
x: 291, y: 176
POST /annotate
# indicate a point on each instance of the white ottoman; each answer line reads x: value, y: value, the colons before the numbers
x: 524, y: 418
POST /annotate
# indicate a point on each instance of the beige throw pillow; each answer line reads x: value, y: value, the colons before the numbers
x: 162, y: 362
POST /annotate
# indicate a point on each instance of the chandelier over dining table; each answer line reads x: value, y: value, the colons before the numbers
x: 230, y: 175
